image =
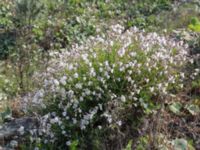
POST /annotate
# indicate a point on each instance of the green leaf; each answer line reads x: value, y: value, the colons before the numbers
x: 195, y: 21
x: 128, y: 147
x: 6, y: 114
x: 180, y: 144
x: 74, y: 145
x: 175, y: 107
x: 193, y: 109
x: 190, y: 145
x: 195, y: 28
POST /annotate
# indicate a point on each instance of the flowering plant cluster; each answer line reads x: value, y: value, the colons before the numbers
x: 106, y: 77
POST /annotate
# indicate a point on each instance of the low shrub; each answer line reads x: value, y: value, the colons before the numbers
x: 109, y: 82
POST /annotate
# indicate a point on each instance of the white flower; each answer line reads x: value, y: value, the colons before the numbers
x: 83, y: 127
x: 85, y: 57
x: 106, y: 63
x: 130, y: 72
x: 76, y: 75
x: 64, y: 114
x: 119, y: 123
x: 100, y: 69
x: 151, y: 89
x: 138, y: 91
x: 92, y: 72
x: 182, y: 75
x: 21, y: 130
x: 159, y: 86
x: 36, y: 148
x: 70, y: 67
x: 111, y: 43
x: 197, y: 70
x: 63, y: 132
x: 133, y: 54
x: 81, y: 98
x: 109, y: 119
x: 74, y: 121
x: 121, y: 52
x: 123, y: 98
x: 87, y: 91
x: 63, y: 80
x: 56, y: 82
x: 147, y: 80
x: 100, y: 107
x: 68, y: 143
x: 78, y: 86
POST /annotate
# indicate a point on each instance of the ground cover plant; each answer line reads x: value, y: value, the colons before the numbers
x: 99, y: 74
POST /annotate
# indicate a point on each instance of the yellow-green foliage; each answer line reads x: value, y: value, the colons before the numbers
x: 194, y: 25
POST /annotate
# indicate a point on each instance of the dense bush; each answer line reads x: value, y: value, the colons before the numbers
x: 145, y: 13
x: 7, y: 39
x: 114, y: 75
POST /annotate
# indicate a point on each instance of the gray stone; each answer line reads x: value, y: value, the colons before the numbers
x: 16, y: 128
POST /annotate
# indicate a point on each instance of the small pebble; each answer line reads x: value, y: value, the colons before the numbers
x: 13, y: 143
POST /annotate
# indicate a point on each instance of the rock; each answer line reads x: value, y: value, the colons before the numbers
x: 13, y: 143
x: 5, y: 148
x: 17, y: 127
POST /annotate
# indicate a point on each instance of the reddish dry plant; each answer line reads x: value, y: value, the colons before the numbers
x: 16, y: 108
